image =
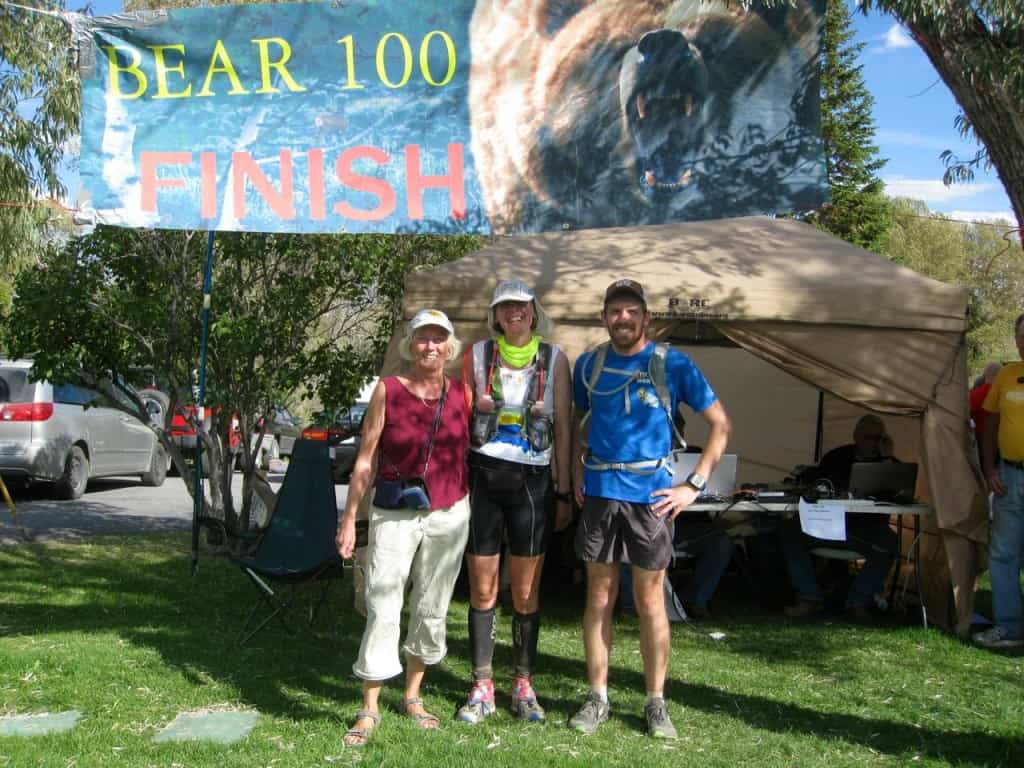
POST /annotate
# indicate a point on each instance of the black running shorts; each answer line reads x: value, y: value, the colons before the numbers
x: 509, y: 500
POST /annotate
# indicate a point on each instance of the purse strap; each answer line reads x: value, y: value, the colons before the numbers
x: 436, y: 425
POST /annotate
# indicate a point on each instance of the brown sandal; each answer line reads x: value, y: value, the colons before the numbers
x: 424, y: 719
x: 357, y: 736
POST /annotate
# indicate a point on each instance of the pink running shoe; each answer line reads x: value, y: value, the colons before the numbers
x: 480, y: 704
x: 524, y: 701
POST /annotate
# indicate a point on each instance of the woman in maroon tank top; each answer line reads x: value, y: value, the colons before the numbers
x: 415, y: 436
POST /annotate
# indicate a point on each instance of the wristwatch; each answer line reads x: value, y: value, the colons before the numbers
x: 563, y: 495
x: 697, y: 480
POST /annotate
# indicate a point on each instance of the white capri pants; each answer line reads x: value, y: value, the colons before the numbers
x: 404, y: 544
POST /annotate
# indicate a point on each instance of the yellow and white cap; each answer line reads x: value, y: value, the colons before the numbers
x: 430, y: 317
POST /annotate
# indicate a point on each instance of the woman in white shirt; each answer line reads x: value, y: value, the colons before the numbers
x: 521, y: 425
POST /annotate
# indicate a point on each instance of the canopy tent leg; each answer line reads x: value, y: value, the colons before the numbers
x: 819, y: 430
x: 197, y: 496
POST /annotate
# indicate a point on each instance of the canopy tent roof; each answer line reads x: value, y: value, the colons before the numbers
x: 734, y: 269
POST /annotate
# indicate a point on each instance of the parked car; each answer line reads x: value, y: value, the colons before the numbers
x: 67, y: 435
x: 153, y: 389
x: 282, y: 431
x: 341, y: 430
x: 183, y: 433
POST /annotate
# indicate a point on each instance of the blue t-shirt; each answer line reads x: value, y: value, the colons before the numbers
x: 629, y: 424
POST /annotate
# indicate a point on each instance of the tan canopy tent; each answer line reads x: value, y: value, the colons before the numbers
x: 775, y: 312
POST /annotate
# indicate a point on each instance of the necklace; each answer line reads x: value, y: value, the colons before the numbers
x: 420, y: 397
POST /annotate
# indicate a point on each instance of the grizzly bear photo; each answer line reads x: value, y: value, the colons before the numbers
x: 617, y: 112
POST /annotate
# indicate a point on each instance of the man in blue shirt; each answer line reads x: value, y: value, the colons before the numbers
x: 624, y: 486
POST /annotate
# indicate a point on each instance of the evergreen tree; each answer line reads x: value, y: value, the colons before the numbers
x: 858, y: 211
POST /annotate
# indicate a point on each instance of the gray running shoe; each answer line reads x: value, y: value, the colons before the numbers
x: 659, y: 726
x: 997, y: 637
x: 590, y: 715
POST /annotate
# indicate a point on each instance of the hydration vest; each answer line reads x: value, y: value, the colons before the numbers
x: 657, y: 377
x: 536, y: 426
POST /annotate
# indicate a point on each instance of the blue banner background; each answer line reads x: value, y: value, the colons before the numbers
x: 763, y: 156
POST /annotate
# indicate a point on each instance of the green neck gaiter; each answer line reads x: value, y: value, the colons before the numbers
x: 519, y: 357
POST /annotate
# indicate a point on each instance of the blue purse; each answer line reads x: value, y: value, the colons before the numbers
x: 388, y: 493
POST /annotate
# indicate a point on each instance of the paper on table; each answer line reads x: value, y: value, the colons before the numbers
x: 824, y: 520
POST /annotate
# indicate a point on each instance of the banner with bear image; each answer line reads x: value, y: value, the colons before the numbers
x: 457, y: 116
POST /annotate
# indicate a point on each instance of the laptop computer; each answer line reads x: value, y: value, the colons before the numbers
x: 722, y: 481
x: 883, y: 480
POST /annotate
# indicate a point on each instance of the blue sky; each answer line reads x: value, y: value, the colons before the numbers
x: 914, y: 113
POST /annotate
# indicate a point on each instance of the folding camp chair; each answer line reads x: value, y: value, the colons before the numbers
x: 298, y: 546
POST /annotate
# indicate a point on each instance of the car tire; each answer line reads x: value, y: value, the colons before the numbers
x: 172, y: 468
x: 270, y: 454
x: 72, y: 483
x: 157, y: 473
x: 157, y: 404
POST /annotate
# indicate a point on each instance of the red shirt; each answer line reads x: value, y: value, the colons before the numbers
x: 403, y: 442
x: 977, y: 412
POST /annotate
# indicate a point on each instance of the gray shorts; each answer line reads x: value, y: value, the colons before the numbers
x: 609, y: 529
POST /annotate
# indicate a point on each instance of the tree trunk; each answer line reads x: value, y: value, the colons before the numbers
x: 997, y: 118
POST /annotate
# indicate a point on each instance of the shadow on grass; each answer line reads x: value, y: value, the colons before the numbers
x: 142, y: 592
x: 887, y: 736
x: 150, y: 600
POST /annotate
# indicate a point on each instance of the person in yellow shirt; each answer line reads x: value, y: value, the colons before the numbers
x: 1003, y: 460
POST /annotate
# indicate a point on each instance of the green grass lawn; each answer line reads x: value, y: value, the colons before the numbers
x: 119, y: 630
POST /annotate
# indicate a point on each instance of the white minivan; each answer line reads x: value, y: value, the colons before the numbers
x: 66, y: 434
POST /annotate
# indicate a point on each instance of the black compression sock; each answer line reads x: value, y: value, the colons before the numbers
x: 482, y: 630
x: 525, y: 632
